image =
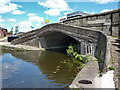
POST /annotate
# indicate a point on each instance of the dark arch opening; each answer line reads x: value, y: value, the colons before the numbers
x: 55, y: 40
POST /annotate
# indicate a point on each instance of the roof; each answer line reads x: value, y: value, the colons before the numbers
x: 2, y: 28
x: 78, y: 12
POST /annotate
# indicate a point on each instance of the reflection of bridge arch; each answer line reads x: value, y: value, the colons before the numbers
x: 47, y: 62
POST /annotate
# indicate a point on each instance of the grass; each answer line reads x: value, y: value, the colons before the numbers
x: 111, y: 68
x: 11, y: 48
x: 2, y: 37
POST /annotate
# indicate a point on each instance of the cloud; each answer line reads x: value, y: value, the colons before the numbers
x: 59, y: 4
x: 2, y: 25
x: 33, y: 20
x: 53, y: 12
x: 67, y: 13
x: 55, y: 5
x: 31, y: 14
x: 102, y: 1
x: 18, y: 12
x: 106, y: 10
x: 36, y: 19
x: 89, y: 12
x: 24, y: 26
x: 6, y: 7
x: 10, y: 68
x: 4, y: 1
x: 1, y: 20
x: 12, y: 20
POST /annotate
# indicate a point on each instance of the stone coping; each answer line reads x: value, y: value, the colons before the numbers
x: 89, y: 72
x: 21, y: 47
x: 97, y: 14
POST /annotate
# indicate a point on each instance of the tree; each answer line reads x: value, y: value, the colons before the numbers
x: 11, y: 31
x: 16, y: 29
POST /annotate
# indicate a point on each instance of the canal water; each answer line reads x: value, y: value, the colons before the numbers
x: 36, y: 69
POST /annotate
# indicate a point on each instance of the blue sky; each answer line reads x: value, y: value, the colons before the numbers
x: 29, y: 13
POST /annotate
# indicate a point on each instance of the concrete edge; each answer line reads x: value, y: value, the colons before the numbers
x: 19, y: 47
x: 107, y: 62
x: 89, y: 72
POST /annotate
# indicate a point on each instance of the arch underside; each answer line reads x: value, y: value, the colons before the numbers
x: 56, y: 39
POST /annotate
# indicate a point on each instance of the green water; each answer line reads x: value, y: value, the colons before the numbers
x: 36, y: 69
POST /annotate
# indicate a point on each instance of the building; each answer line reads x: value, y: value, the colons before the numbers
x: 76, y: 14
x: 8, y: 34
x: 61, y: 19
x: 3, y: 32
x: 72, y: 15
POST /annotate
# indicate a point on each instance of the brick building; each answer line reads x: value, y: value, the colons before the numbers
x: 3, y: 32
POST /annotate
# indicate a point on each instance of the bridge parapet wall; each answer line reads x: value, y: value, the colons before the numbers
x: 108, y: 22
x: 79, y: 33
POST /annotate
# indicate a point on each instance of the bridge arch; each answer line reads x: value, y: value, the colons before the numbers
x: 58, y: 35
x: 55, y: 39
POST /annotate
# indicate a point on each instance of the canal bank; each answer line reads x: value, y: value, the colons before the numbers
x: 8, y: 45
x: 89, y: 77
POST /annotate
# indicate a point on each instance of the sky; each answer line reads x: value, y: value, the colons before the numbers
x: 31, y: 14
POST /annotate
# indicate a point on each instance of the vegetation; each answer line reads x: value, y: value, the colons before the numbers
x: 11, y: 31
x: 100, y: 54
x: 72, y: 51
x: 16, y: 29
x: 77, y: 58
x: 118, y: 76
x: 111, y: 68
x: 6, y: 48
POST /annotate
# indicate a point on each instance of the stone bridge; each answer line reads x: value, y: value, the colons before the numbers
x: 57, y: 35
x: 91, y: 33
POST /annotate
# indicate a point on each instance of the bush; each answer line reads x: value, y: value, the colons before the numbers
x: 72, y: 51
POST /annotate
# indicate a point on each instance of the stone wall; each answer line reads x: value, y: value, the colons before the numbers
x: 108, y: 22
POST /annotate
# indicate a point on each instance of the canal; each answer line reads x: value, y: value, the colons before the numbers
x: 37, y: 69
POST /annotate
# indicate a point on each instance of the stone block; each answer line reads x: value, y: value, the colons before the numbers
x: 116, y: 18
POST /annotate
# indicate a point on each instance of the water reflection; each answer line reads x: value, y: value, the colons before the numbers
x: 35, y: 69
